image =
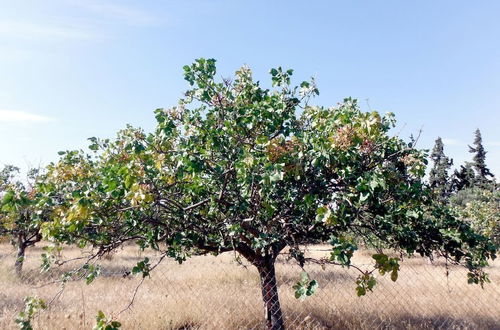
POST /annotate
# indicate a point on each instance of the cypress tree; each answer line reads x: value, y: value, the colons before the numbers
x: 438, y: 176
x: 463, y: 178
x: 479, y: 160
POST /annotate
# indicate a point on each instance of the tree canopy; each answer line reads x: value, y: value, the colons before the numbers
x: 479, y: 163
x: 438, y: 175
x: 239, y: 167
x: 20, y: 214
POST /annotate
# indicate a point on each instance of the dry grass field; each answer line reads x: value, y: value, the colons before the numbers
x: 208, y: 292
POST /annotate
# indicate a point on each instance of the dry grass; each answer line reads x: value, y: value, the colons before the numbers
x: 209, y: 292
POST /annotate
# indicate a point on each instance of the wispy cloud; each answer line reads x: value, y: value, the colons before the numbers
x: 14, y: 116
x: 28, y: 30
x: 130, y: 15
x: 451, y: 142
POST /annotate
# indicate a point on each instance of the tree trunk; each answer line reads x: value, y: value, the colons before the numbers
x: 274, y: 317
x: 21, y: 249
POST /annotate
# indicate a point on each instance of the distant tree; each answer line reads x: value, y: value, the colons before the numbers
x: 438, y: 175
x: 20, y: 217
x: 480, y: 207
x: 479, y: 160
x: 463, y: 178
x: 236, y: 167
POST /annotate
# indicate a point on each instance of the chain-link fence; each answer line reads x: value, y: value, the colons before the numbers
x: 208, y: 292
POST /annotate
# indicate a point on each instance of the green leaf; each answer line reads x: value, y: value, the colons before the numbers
x: 394, y: 275
x: 262, y: 139
x: 102, y: 323
x: 365, y: 283
x: 360, y: 291
x: 312, y: 287
x: 364, y: 196
x: 31, y: 307
x: 129, y: 180
x: 305, y: 288
x: 320, y: 213
x: 92, y: 273
x: 342, y: 250
x: 76, y: 194
x: 277, y: 176
x: 112, y: 186
x: 8, y: 197
x: 385, y: 264
x: 142, y: 267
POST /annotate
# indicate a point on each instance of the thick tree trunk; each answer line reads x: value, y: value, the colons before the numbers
x: 274, y: 317
x: 21, y: 249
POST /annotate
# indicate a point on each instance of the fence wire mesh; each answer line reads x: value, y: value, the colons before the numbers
x: 209, y: 292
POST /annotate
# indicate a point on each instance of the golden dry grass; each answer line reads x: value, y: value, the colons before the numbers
x: 208, y: 292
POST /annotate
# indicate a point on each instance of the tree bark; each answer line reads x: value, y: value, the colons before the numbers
x: 274, y: 317
x: 21, y: 249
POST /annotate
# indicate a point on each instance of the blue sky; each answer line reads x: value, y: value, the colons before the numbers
x: 71, y: 69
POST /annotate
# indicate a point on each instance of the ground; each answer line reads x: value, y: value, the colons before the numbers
x: 211, y: 292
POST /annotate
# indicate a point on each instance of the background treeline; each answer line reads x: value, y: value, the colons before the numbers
x: 471, y: 189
